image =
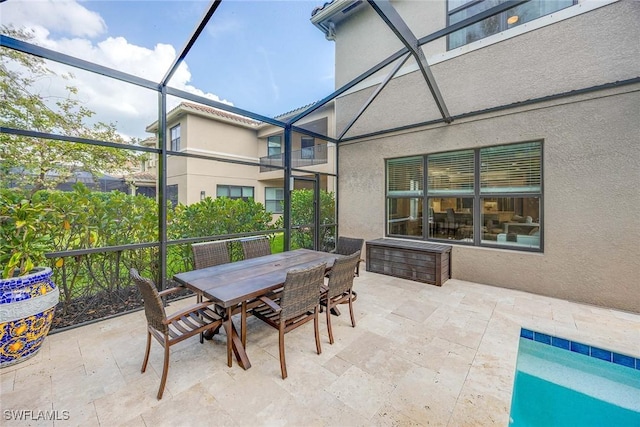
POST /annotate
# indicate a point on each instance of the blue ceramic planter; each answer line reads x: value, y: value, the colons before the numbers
x: 27, y: 304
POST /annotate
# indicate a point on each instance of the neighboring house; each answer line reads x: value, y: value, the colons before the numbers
x: 531, y: 169
x: 248, y: 152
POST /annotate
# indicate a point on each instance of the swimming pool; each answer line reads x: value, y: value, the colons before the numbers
x: 559, y: 382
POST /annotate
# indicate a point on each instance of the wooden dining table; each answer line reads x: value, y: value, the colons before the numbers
x: 234, y: 285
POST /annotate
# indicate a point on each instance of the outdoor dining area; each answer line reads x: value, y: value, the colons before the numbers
x: 285, y: 290
x: 419, y: 355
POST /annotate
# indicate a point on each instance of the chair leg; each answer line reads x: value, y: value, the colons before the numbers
x: 146, y: 354
x: 316, y: 326
x: 165, y: 369
x: 353, y: 319
x: 283, y: 363
x: 329, y: 329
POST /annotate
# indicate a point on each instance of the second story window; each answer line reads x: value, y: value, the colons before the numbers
x: 235, y: 192
x: 457, y: 10
x: 175, y: 138
x: 274, y: 145
x: 307, y: 143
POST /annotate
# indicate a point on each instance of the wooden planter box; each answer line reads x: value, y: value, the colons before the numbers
x: 420, y: 261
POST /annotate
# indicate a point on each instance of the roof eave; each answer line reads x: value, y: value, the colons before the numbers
x: 333, y: 13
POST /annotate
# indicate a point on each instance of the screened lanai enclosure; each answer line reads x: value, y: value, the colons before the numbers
x: 202, y: 168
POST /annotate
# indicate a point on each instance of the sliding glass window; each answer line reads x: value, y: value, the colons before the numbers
x: 489, y: 196
x: 450, y: 189
x: 511, y: 194
x: 405, y: 196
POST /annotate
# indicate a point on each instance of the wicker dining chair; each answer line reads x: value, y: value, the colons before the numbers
x: 255, y: 247
x: 348, y: 246
x: 170, y: 330
x: 208, y: 254
x: 339, y: 288
x: 299, y: 303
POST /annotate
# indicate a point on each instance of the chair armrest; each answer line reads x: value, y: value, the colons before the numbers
x: 187, y: 310
x: 170, y: 291
x: 272, y: 304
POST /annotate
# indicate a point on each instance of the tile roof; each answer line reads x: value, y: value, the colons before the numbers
x: 295, y: 111
x: 319, y: 8
x: 220, y: 113
x: 143, y: 176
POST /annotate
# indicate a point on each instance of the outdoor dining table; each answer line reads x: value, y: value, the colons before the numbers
x: 233, y: 285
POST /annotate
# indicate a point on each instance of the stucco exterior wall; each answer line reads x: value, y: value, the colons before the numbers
x: 590, y: 49
x: 366, y: 40
x: 591, y: 166
x: 221, y: 138
x: 591, y: 143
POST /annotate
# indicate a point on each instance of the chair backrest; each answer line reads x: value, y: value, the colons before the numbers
x: 153, y: 307
x: 342, y: 272
x: 348, y: 245
x: 209, y: 254
x: 256, y: 247
x: 301, y: 292
x: 451, y: 216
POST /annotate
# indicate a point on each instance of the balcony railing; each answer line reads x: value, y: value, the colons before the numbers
x: 308, y: 156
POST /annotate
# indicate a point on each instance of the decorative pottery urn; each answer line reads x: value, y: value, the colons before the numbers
x: 27, y: 304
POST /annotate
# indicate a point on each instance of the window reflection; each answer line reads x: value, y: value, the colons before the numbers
x: 512, y: 221
x: 405, y: 217
x: 460, y: 10
x: 451, y: 218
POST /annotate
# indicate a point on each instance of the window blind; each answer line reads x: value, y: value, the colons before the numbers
x: 450, y: 173
x: 404, y: 177
x: 511, y: 168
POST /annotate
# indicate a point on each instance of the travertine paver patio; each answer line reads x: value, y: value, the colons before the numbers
x: 420, y: 355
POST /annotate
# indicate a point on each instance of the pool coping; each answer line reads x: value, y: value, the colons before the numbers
x: 578, y: 347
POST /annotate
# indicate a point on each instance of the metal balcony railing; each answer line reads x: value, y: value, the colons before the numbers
x: 308, y: 156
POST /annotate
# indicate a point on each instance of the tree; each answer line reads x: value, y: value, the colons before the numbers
x: 302, y: 219
x: 37, y: 163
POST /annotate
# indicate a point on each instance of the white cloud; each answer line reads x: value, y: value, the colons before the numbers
x: 59, y: 15
x: 130, y: 107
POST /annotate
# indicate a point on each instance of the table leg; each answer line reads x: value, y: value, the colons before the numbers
x: 243, y: 324
x: 199, y: 300
x: 234, y: 343
x: 228, y: 327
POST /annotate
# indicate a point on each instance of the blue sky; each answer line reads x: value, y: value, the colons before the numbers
x: 262, y: 56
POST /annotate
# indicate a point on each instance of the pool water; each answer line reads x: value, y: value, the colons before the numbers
x: 558, y: 387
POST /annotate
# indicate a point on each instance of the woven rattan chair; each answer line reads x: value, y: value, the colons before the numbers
x: 255, y: 247
x: 299, y: 303
x: 209, y: 254
x: 348, y: 246
x: 170, y: 330
x: 339, y: 288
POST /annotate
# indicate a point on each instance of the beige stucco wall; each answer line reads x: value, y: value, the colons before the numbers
x: 591, y: 199
x: 200, y: 135
x: 591, y: 143
x: 203, y: 134
x: 365, y: 40
x: 221, y: 138
x: 590, y: 49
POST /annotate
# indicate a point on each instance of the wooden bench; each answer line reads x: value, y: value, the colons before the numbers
x: 419, y: 261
